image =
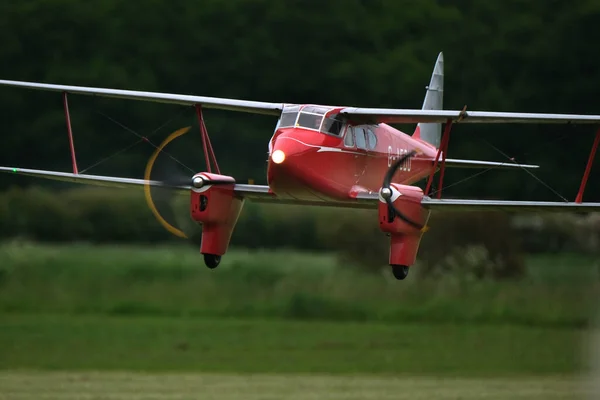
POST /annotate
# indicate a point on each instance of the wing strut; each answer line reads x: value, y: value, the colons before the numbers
x: 443, y: 149
x: 206, y: 145
x: 588, y: 168
x: 70, y: 132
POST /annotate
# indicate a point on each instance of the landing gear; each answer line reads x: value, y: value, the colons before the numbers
x: 212, y: 261
x: 400, y: 271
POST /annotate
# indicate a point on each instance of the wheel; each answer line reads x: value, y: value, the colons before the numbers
x: 400, y: 271
x: 212, y: 260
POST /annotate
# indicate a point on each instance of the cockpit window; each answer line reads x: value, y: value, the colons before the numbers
x: 288, y: 119
x: 309, y: 120
x: 315, y: 109
x: 311, y: 117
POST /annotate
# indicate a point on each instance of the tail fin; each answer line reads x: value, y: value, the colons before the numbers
x: 434, y: 100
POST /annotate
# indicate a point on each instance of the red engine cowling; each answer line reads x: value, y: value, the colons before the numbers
x: 406, y: 228
x: 216, y: 206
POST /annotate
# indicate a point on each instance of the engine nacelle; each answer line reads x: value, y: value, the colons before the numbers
x: 406, y: 228
x: 217, y: 208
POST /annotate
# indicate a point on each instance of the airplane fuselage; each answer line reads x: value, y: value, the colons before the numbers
x: 308, y: 164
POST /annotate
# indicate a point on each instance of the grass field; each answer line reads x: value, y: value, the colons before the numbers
x: 278, y: 346
x: 127, y: 386
x: 132, y: 322
x: 103, y: 357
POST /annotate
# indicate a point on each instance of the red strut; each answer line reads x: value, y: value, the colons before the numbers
x: 443, y: 148
x: 588, y: 168
x: 206, y: 144
x: 445, y: 141
x: 70, y: 132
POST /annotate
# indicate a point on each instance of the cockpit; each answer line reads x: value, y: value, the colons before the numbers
x: 311, y: 117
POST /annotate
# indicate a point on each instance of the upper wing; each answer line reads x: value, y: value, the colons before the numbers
x: 406, y: 116
x: 375, y: 115
x: 208, y: 102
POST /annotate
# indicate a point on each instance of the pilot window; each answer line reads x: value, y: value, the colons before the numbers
x: 349, y: 139
x: 372, y: 139
x: 288, y: 119
x: 360, y: 136
x: 311, y: 121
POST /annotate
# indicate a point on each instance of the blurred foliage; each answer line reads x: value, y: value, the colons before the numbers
x: 512, y: 55
x: 481, y: 245
x: 473, y: 245
x: 130, y: 280
x: 559, y: 233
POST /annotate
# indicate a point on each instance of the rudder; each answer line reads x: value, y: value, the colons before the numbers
x: 434, y: 100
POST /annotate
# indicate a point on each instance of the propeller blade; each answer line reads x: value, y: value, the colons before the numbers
x: 162, y: 199
x: 165, y: 196
x: 386, y: 190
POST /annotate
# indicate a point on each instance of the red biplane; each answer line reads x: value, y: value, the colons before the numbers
x: 331, y: 156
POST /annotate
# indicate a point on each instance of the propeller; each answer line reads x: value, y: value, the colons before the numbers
x: 162, y: 198
x: 387, y: 191
x: 165, y: 193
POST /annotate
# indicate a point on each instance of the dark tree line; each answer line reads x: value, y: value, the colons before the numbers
x: 517, y: 55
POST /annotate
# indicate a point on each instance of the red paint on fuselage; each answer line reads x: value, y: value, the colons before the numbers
x: 320, y: 166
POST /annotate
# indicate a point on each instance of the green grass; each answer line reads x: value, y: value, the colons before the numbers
x: 76, y: 321
x: 172, y: 281
x: 126, y: 386
x: 164, y: 344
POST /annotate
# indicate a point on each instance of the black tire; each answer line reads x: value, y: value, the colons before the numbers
x: 212, y: 260
x: 400, y: 271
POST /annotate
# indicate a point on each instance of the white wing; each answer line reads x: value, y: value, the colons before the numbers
x: 507, y: 205
x: 398, y: 115
x: 255, y: 193
x: 387, y: 115
x: 208, y: 102
x: 262, y: 194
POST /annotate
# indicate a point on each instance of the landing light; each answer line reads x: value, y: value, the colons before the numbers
x: 278, y: 156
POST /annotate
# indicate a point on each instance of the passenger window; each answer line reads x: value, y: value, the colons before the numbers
x: 349, y: 139
x: 361, y: 139
x: 372, y: 139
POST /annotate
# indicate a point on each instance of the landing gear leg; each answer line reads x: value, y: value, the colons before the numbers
x: 212, y: 260
x: 400, y: 271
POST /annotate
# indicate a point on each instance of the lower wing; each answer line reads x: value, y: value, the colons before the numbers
x: 507, y: 205
x: 363, y: 200
x: 256, y: 193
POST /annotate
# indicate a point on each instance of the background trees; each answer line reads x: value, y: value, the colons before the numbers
x: 510, y: 55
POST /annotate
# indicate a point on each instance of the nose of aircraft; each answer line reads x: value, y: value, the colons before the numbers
x: 287, y: 146
x: 286, y: 155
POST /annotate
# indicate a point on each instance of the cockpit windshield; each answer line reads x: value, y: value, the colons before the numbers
x: 311, y: 117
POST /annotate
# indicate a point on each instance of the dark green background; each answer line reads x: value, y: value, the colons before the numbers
x: 500, y: 55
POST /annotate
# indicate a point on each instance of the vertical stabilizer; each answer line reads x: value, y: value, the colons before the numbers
x: 434, y: 100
